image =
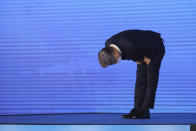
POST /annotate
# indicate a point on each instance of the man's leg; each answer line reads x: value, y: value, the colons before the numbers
x: 152, y: 82
x: 140, y: 89
x: 140, y: 85
x: 152, y: 78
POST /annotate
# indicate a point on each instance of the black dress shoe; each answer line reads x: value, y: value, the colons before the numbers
x: 131, y: 114
x: 144, y: 114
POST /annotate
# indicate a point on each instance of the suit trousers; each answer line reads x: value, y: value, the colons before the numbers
x: 147, y: 77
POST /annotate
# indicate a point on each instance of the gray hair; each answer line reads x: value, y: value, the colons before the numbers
x: 106, y: 57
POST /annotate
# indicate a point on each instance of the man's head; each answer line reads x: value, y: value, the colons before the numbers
x: 108, y: 56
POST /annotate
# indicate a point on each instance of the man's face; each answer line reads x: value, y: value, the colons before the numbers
x: 118, y: 59
x: 117, y: 56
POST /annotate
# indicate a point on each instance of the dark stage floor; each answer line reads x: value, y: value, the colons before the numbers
x: 100, y: 118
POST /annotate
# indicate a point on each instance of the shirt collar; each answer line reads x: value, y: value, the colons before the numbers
x: 116, y: 47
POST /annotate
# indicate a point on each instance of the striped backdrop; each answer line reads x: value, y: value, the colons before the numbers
x: 48, y: 55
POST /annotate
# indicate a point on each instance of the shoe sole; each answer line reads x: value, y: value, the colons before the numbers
x: 134, y: 117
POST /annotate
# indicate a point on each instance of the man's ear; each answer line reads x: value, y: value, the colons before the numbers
x: 115, y: 52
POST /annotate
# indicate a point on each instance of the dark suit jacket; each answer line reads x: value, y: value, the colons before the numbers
x: 135, y: 44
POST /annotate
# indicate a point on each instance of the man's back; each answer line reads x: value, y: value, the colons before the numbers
x: 135, y: 44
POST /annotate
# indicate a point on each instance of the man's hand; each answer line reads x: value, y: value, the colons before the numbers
x: 147, y: 60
